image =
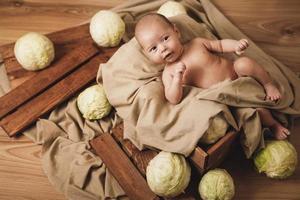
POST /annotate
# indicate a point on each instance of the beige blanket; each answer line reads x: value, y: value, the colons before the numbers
x: 150, y: 121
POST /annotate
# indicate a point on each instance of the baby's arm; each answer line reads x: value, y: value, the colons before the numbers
x: 173, y: 84
x: 227, y: 45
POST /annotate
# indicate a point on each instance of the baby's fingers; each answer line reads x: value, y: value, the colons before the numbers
x: 244, y: 42
x: 180, y: 68
x: 181, y: 65
x: 239, y: 52
x: 243, y: 46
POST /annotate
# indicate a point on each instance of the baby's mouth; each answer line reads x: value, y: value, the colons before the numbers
x: 168, y: 56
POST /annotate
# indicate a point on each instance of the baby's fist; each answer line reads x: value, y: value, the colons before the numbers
x: 243, y: 44
x: 180, y: 67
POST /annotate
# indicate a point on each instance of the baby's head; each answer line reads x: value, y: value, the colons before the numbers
x: 159, y: 38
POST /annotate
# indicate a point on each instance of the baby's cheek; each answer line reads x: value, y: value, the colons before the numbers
x: 157, y: 59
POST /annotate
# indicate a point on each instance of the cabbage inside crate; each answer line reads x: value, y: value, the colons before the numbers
x: 206, y: 157
x: 202, y: 158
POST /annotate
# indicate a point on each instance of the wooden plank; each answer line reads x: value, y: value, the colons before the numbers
x: 121, y: 168
x: 45, y: 78
x: 218, y: 152
x: 199, y: 158
x: 29, y: 112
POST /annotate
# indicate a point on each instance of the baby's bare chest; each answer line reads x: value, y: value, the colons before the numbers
x: 206, y: 69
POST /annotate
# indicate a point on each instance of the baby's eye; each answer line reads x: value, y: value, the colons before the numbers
x: 166, y: 38
x: 153, y: 49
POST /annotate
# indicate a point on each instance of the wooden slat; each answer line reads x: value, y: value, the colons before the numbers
x: 29, y: 112
x: 121, y: 168
x: 45, y: 78
x: 199, y: 158
x: 218, y: 152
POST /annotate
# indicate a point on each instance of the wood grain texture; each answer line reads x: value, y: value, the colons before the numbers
x: 272, y: 24
x: 21, y: 174
x: 20, y: 16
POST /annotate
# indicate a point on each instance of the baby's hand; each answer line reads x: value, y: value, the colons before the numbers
x: 179, y: 69
x: 243, y: 44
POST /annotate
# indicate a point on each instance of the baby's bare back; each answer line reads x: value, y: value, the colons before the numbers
x: 203, y: 68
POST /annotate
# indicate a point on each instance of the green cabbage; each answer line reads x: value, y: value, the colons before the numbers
x: 278, y: 159
x: 171, y: 8
x: 216, y: 184
x: 92, y: 103
x: 168, y: 174
x: 217, y: 129
x: 34, y: 51
x: 107, y: 28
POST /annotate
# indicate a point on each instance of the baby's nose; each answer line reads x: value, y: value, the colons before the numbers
x: 163, y: 48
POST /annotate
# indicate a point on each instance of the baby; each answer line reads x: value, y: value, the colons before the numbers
x: 195, y: 64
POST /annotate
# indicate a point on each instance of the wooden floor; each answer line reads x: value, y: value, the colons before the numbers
x: 273, y: 24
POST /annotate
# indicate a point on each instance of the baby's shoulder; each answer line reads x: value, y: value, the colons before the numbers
x: 199, y: 40
x: 198, y: 43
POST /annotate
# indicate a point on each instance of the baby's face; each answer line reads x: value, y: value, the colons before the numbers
x: 160, y: 42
